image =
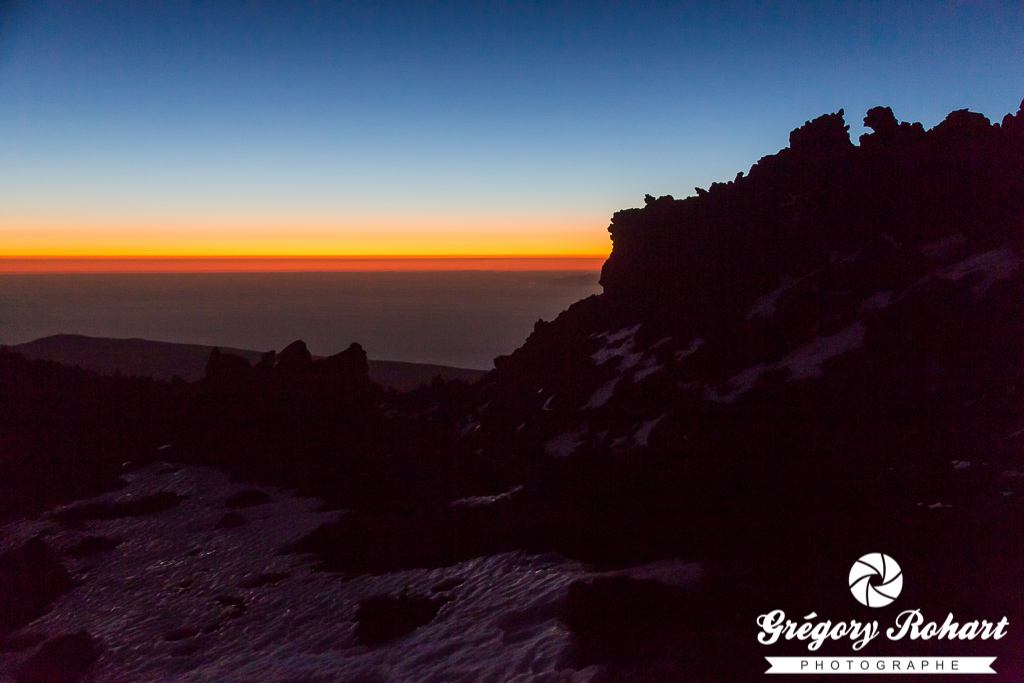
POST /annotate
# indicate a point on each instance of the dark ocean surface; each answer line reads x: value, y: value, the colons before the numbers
x: 456, y: 318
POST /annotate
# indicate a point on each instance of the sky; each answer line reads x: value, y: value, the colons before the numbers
x: 421, y: 128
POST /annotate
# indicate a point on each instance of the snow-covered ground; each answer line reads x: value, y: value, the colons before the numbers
x: 181, y: 600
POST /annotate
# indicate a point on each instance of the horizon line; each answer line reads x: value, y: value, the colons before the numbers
x: 293, y: 263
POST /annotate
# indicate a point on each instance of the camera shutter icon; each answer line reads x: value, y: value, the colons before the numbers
x: 876, y: 580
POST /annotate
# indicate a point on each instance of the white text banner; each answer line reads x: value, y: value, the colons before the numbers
x: 876, y: 665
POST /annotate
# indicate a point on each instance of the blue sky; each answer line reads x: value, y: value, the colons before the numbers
x: 393, y: 127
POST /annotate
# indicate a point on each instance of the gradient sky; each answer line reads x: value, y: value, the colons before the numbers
x: 154, y: 127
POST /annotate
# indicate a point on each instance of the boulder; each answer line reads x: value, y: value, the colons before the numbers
x: 385, y: 617
x: 31, y: 579
x: 294, y: 359
x: 63, y: 659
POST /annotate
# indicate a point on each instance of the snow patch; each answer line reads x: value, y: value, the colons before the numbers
x: 851, y: 258
x: 943, y: 246
x: 621, y: 345
x: 621, y: 335
x: 175, y: 570
x: 643, y: 433
x: 467, y: 429
x: 998, y: 264
x: 764, y: 306
x: 876, y: 301
x: 737, y: 385
x: 674, y: 572
x: 630, y: 360
x: 807, y: 361
x: 891, y: 240
x: 616, y: 344
x: 479, y: 501
x: 564, y: 445
x: 602, y: 395
x: 647, y: 368
x: 689, y: 350
x: 803, y: 363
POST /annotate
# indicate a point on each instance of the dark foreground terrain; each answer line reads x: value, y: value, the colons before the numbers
x: 818, y: 360
x: 164, y: 360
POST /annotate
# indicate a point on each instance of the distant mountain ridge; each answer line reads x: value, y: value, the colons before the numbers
x: 164, y: 360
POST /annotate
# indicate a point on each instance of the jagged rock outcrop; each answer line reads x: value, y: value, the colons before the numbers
x: 826, y: 334
x: 31, y: 579
x: 833, y: 336
x: 289, y: 419
x: 825, y: 353
x: 294, y: 359
x: 822, y: 249
x: 709, y: 256
x: 66, y: 432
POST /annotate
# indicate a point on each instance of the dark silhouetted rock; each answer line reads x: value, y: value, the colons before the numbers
x: 21, y: 641
x: 147, y: 505
x: 446, y: 585
x: 827, y: 136
x: 962, y: 126
x: 384, y: 617
x: 226, y: 368
x: 1014, y: 123
x: 294, y: 359
x: 64, y: 659
x: 264, y: 579
x: 882, y: 121
x: 92, y: 545
x: 67, y: 431
x: 182, y: 633
x: 231, y: 520
x: 266, y: 362
x: 247, y: 498
x: 786, y: 370
x: 31, y: 579
x: 614, y: 617
x: 166, y: 360
x: 350, y: 367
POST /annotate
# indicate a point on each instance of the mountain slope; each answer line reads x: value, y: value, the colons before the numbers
x: 820, y: 359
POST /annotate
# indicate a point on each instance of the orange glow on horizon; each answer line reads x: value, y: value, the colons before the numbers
x: 275, y: 237
x: 242, y: 264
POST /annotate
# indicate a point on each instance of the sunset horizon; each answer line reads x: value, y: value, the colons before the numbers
x: 269, y: 263
x: 373, y: 236
x: 368, y: 129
